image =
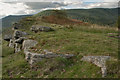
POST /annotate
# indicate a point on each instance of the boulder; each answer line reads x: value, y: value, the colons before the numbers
x: 41, y: 28
x: 7, y: 37
x: 20, y: 40
x: 28, y: 44
x: 18, y: 34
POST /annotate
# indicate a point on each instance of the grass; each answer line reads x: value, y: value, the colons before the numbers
x: 81, y: 39
x: 75, y: 39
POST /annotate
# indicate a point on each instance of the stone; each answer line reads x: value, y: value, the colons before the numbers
x: 100, y: 61
x: 27, y: 55
x: 20, y: 40
x: 12, y: 43
x: 28, y: 44
x: 104, y: 71
x: 36, y: 57
x: 33, y: 57
x: 7, y: 37
x: 17, y: 47
x: 18, y: 34
x: 36, y: 28
x: 68, y: 55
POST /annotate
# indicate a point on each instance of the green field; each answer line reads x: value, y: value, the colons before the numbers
x: 79, y: 40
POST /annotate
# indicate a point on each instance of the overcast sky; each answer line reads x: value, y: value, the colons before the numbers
x: 23, y: 7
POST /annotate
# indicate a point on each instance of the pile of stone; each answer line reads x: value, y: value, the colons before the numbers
x: 100, y: 61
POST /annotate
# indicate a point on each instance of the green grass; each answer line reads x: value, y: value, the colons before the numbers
x: 78, y: 40
x: 81, y: 39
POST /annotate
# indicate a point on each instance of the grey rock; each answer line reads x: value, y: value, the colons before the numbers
x: 17, y: 47
x: 27, y: 55
x: 18, y: 34
x: 68, y: 55
x: 36, y: 57
x: 100, y: 61
x: 20, y: 40
x: 104, y: 71
x: 36, y: 28
x: 33, y: 57
x: 28, y: 44
x: 12, y: 43
x: 7, y: 37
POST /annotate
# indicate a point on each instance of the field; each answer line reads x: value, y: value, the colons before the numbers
x: 75, y: 39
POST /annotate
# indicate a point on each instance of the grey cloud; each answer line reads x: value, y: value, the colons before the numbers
x: 41, y: 5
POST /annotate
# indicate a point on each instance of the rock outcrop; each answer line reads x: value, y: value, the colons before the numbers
x: 16, y: 40
x: 36, y: 57
x: 19, y: 42
x: 100, y: 61
x: 17, y: 34
x: 36, y: 28
x: 27, y: 44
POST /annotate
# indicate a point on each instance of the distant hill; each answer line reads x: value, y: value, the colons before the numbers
x: 60, y: 17
x: 101, y: 16
x: 9, y: 20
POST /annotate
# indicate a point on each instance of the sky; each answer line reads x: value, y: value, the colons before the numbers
x: 24, y: 7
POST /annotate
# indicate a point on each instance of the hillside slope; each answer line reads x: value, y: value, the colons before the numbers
x: 8, y: 21
x: 77, y: 39
x: 101, y: 16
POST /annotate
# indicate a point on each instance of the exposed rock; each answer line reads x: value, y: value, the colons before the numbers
x: 67, y: 55
x: 51, y: 55
x: 7, y: 37
x: 17, y: 47
x: 20, y: 40
x: 36, y: 28
x: 100, y: 61
x: 12, y: 43
x: 36, y: 57
x: 33, y: 57
x: 28, y: 44
x: 18, y: 34
x: 104, y: 71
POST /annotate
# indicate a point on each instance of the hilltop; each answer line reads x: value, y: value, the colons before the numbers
x: 101, y: 16
x: 59, y: 37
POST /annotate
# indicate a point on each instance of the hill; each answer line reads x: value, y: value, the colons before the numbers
x: 101, y: 16
x: 9, y: 20
x: 79, y: 40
